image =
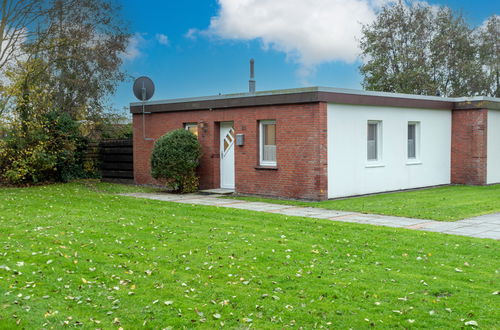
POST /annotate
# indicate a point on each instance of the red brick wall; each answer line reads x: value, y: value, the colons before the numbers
x: 301, y: 138
x: 469, y: 146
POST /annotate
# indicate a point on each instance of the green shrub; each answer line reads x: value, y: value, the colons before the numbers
x: 174, y: 160
x: 48, y: 148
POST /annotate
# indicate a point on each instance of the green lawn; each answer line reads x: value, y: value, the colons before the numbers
x: 79, y: 255
x: 447, y: 203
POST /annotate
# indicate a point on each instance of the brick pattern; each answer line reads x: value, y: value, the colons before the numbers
x: 469, y: 146
x: 301, y: 138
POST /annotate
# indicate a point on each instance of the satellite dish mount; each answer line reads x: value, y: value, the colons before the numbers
x: 143, y: 89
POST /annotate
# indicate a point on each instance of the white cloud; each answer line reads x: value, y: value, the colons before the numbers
x: 191, y: 33
x: 310, y: 32
x: 133, y: 49
x: 162, y: 39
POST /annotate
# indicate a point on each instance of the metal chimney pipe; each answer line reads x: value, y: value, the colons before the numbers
x: 251, y: 82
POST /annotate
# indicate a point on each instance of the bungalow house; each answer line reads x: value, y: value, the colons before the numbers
x: 320, y: 143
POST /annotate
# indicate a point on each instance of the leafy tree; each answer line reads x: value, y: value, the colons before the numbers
x: 82, y: 41
x: 394, y: 48
x: 414, y: 48
x: 15, y: 17
x: 42, y: 144
x: 112, y: 125
x: 455, y: 67
x: 174, y: 160
x: 489, y: 52
x: 71, y: 63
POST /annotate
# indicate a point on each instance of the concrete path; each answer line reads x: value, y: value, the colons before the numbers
x: 486, y: 226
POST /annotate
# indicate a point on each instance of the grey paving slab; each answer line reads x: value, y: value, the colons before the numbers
x: 488, y: 234
x: 472, y: 222
x: 404, y: 221
x: 467, y: 230
x: 160, y: 197
x: 205, y: 201
x: 485, y: 226
x: 312, y: 212
x: 258, y: 206
x: 383, y: 220
x: 444, y: 226
x: 344, y: 219
x: 488, y: 226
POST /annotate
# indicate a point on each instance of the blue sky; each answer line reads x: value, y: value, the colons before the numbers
x: 202, y: 47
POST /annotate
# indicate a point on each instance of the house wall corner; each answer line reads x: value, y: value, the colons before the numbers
x: 469, y: 146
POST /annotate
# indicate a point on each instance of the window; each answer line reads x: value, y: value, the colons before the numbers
x: 374, y: 140
x: 192, y: 127
x: 413, y: 140
x: 267, y: 142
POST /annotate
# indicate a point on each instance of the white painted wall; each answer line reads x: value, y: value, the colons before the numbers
x: 493, y: 148
x: 348, y: 173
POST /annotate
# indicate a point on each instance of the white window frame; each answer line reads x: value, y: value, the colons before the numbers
x: 378, y: 141
x: 188, y: 125
x: 263, y: 162
x: 416, y: 159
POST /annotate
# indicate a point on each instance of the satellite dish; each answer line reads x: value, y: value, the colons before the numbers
x: 143, y: 88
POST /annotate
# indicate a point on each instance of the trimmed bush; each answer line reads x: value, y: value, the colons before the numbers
x: 174, y: 160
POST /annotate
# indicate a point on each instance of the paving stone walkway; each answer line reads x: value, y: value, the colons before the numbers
x: 485, y: 226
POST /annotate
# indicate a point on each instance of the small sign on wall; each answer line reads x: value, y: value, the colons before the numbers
x: 240, y: 139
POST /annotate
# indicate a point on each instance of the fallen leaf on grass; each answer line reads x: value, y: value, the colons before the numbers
x: 471, y: 323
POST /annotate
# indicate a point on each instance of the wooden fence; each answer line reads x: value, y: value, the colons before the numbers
x: 116, y: 160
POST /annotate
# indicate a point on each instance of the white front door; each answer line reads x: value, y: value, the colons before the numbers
x: 227, y: 138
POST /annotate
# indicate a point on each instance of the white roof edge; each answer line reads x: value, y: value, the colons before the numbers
x: 321, y: 89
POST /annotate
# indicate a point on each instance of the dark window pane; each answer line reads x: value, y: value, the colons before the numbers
x: 412, y: 146
x: 372, y: 141
x: 411, y: 131
x: 372, y: 132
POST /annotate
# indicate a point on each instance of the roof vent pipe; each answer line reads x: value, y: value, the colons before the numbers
x: 251, y: 82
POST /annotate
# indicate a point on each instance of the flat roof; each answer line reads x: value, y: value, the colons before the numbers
x: 316, y: 94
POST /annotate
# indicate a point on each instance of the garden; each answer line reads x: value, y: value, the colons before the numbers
x: 79, y: 254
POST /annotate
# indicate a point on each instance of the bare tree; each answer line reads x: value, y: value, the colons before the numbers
x: 16, y: 17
